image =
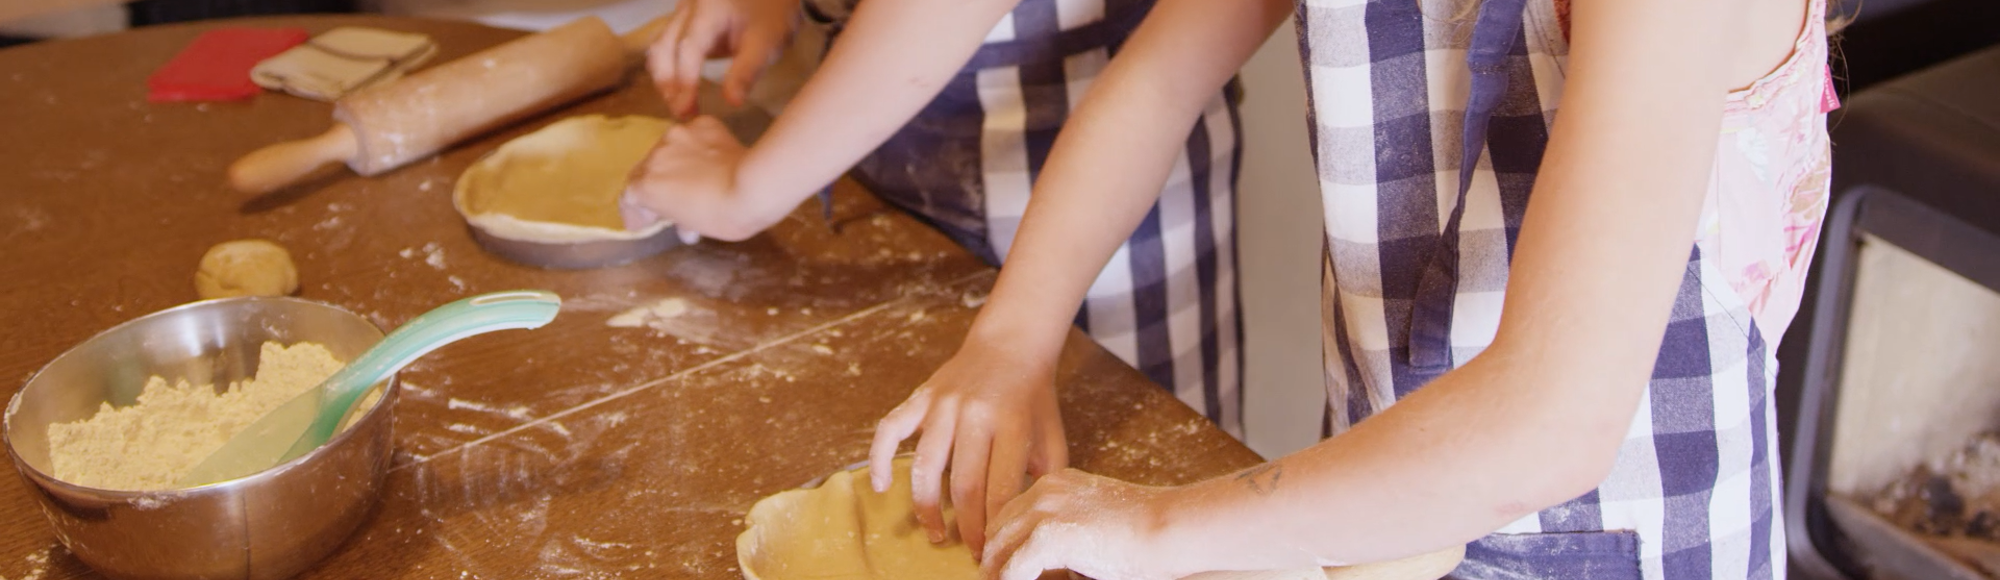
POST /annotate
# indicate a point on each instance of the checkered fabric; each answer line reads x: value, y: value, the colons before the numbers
x: 1167, y: 301
x: 1417, y: 253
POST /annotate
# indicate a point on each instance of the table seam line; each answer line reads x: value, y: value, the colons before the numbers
x: 718, y: 361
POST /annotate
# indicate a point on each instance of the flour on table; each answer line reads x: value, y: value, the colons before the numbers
x: 643, y: 315
x: 434, y: 255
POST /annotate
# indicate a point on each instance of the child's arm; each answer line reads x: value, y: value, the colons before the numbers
x: 990, y: 411
x: 1534, y: 421
x: 895, y: 56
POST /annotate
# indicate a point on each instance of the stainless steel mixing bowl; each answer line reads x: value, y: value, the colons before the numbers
x: 272, y: 524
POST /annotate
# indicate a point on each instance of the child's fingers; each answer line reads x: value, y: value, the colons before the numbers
x: 968, y: 484
x: 754, y: 52
x: 1009, y: 535
x: 635, y: 213
x: 1005, y: 476
x: 714, y: 137
x: 899, y: 424
x: 1028, y: 562
x: 927, y: 471
x: 708, y: 128
x: 1049, y: 452
x: 662, y: 58
x: 702, y: 32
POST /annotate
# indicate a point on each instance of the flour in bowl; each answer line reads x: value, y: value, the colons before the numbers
x: 174, y: 426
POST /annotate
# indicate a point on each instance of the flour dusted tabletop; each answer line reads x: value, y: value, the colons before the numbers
x: 627, y: 439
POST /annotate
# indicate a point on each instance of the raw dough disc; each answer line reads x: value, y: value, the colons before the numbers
x: 246, y: 268
x: 560, y: 184
x: 844, y: 530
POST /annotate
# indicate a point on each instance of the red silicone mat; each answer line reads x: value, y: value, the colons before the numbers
x: 216, y: 66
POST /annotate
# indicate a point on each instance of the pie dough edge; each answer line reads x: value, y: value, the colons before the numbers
x: 514, y: 228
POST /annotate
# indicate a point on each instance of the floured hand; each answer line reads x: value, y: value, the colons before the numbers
x: 690, y: 180
x: 989, y: 414
x: 1093, y: 525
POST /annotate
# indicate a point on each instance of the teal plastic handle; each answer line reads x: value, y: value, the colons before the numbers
x: 444, y: 325
x: 310, y: 419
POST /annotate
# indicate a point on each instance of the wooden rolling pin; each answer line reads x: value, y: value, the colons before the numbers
x: 1419, y: 567
x: 384, y: 127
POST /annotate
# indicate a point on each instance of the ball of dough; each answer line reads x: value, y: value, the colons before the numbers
x: 246, y: 268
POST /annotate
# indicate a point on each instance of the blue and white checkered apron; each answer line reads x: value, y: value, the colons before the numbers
x: 1167, y: 301
x: 1417, y: 252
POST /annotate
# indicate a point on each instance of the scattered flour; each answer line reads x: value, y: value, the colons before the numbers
x: 434, y: 255
x: 972, y: 299
x: 38, y: 564
x: 150, y: 445
x: 661, y: 310
x: 432, y: 252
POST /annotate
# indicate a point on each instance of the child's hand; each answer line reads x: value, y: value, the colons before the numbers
x: 689, y: 179
x: 1088, y: 524
x: 988, y: 413
x: 755, y: 32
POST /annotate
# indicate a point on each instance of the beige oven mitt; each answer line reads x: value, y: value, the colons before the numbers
x: 342, y: 61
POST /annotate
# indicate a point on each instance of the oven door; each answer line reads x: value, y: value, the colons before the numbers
x: 1902, y: 366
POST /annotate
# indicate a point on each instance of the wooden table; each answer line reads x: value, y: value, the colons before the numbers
x: 580, y: 449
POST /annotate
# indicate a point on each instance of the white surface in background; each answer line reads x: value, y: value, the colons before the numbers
x: 540, y: 15
x: 1278, y: 238
x: 80, y: 22
x: 622, y: 15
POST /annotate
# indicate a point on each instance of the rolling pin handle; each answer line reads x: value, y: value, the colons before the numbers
x: 1429, y: 566
x: 274, y: 167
